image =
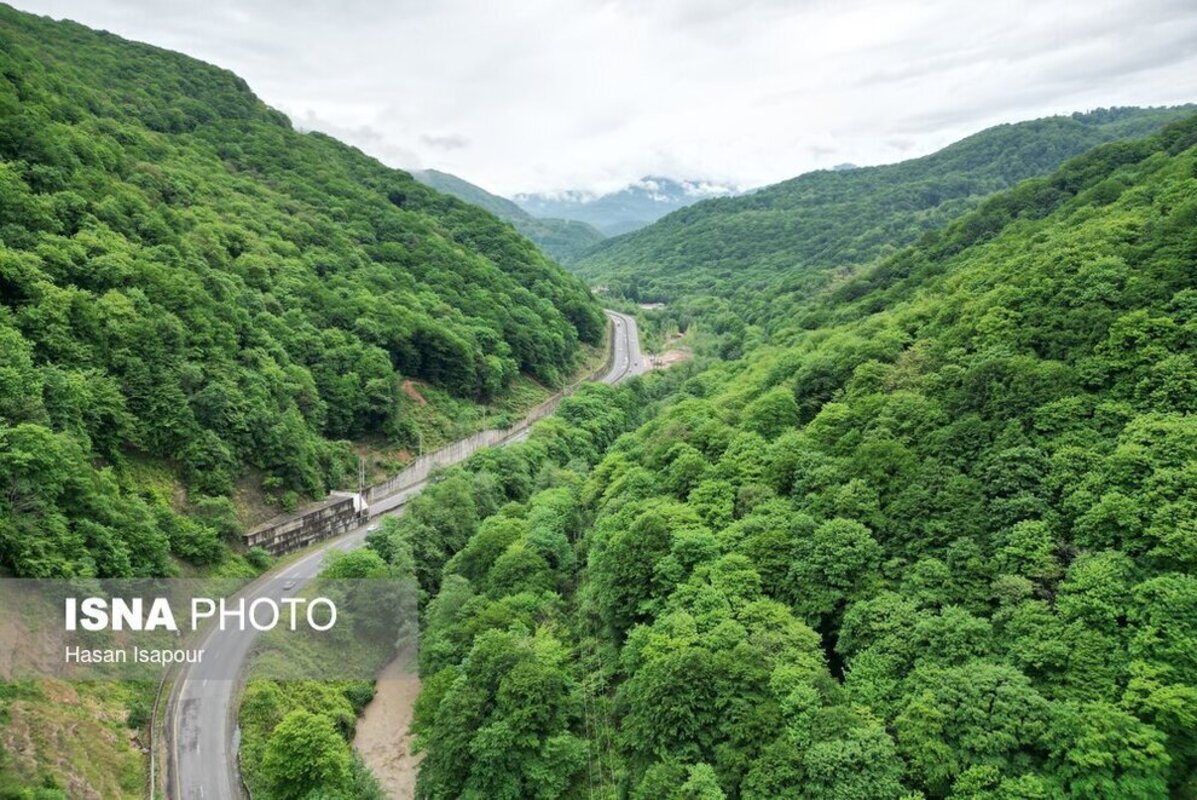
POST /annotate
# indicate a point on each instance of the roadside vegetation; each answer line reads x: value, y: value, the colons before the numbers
x: 936, y: 541
x: 919, y: 522
x: 186, y: 280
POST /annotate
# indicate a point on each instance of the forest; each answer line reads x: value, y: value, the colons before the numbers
x: 920, y: 522
x: 191, y: 290
x: 939, y: 545
x: 752, y: 260
x: 513, y: 509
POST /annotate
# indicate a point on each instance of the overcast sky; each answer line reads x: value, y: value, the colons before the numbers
x: 543, y: 95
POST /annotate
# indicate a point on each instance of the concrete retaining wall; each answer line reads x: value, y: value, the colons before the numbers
x: 344, y: 511
x: 418, y: 471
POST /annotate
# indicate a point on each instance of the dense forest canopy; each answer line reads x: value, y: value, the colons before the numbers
x: 185, y: 278
x: 933, y: 537
x: 938, y: 545
x: 756, y: 257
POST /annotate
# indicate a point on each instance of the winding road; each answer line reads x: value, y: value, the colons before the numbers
x: 625, y: 338
x: 201, y: 711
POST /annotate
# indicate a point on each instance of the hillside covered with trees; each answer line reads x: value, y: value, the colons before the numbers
x: 921, y: 525
x: 937, y: 541
x: 563, y: 239
x: 188, y: 284
x: 759, y: 253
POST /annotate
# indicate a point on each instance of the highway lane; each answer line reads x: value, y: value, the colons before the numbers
x: 626, y: 360
x: 625, y: 338
x: 201, y: 718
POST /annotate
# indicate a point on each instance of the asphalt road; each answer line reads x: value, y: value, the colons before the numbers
x: 628, y: 360
x: 201, y: 713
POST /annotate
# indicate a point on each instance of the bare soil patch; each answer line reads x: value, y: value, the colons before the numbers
x: 411, y: 391
x: 668, y: 358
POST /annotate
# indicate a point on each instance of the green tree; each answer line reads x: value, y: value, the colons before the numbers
x: 772, y: 413
x: 860, y: 766
x: 303, y: 754
x: 839, y: 559
x: 979, y: 713
x: 701, y: 784
x: 1102, y: 752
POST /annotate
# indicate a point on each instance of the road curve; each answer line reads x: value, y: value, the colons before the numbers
x: 627, y: 359
x: 201, y: 712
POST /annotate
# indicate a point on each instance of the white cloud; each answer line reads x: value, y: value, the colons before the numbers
x: 592, y: 94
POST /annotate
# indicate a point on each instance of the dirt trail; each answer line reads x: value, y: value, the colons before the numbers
x: 382, y: 736
x: 668, y: 358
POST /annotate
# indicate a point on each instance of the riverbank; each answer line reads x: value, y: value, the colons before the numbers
x: 383, y: 738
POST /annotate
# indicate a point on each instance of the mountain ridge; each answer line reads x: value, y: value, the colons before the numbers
x: 794, y: 230
x: 638, y: 204
x: 938, y: 543
x: 563, y: 239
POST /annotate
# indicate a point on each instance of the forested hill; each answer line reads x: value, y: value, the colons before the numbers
x: 938, y: 545
x: 786, y: 237
x: 563, y: 239
x: 185, y: 278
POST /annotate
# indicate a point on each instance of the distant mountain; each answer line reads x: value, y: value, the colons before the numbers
x: 629, y: 209
x: 753, y: 249
x: 565, y: 240
x: 501, y: 207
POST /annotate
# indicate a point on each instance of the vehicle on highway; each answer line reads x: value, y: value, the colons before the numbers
x: 202, y: 713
